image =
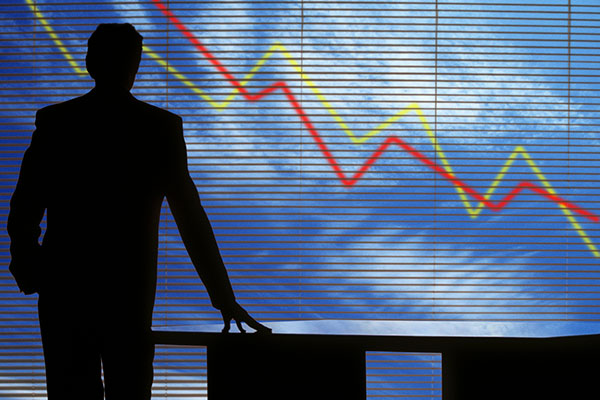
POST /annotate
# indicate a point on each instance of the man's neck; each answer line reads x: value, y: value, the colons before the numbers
x: 110, y: 90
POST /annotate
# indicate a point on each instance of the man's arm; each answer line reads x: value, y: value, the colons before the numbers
x: 198, y: 236
x: 26, y: 212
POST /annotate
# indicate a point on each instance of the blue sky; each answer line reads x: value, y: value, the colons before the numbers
x: 284, y: 220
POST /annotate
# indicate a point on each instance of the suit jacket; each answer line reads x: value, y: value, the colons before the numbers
x: 100, y: 166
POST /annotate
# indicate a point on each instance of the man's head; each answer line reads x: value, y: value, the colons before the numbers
x: 114, y: 53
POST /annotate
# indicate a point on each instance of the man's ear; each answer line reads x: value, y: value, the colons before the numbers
x: 89, y: 65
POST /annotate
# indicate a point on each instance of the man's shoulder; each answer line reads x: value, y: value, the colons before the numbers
x: 158, y: 114
x: 65, y: 107
x: 77, y: 106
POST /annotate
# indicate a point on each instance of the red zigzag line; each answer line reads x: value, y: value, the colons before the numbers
x: 382, y: 148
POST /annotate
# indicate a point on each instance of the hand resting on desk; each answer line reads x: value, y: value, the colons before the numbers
x: 239, y: 315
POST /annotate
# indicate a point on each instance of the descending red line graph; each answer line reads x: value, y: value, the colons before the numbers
x: 391, y: 140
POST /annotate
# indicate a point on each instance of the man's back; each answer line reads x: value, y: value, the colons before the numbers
x: 101, y: 165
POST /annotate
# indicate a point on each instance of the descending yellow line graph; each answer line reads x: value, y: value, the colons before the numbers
x: 55, y: 38
x: 278, y: 48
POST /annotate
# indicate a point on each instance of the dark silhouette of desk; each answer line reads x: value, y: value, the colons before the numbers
x: 294, y: 366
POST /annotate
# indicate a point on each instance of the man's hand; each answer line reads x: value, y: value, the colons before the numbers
x: 27, y: 273
x: 237, y: 313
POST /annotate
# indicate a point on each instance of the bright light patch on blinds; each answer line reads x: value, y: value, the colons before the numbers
x: 404, y: 375
x: 364, y: 160
x: 180, y: 373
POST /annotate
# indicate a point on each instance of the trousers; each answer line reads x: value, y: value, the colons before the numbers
x: 90, y: 353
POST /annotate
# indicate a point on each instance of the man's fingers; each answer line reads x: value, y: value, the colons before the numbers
x: 257, y: 326
x: 254, y: 324
x: 239, y: 315
x: 240, y: 327
x: 227, y: 324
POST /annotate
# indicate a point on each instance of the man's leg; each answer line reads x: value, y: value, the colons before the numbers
x: 71, y: 352
x: 127, y: 356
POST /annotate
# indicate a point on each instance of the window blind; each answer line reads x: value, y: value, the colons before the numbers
x: 371, y: 160
x: 403, y: 375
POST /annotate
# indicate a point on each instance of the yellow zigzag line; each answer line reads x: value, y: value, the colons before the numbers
x: 279, y: 48
x: 57, y: 41
x: 472, y: 211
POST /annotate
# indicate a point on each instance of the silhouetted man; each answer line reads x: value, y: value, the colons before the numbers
x: 100, y: 166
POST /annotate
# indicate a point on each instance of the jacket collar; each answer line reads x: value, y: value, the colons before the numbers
x: 112, y: 94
